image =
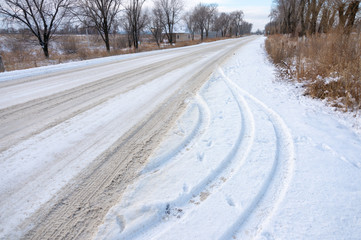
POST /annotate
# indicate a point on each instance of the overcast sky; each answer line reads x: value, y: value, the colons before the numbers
x: 255, y: 11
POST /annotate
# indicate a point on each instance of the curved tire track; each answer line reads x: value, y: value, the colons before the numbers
x: 202, y: 124
x: 275, y: 185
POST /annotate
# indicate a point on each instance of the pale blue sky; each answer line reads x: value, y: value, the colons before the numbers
x: 255, y: 11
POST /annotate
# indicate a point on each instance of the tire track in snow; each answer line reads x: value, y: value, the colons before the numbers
x: 200, y: 127
x: 213, y: 182
x: 276, y: 184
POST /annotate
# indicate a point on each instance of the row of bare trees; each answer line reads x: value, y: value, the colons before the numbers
x: 301, y: 17
x: 205, y: 18
x: 45, y: 17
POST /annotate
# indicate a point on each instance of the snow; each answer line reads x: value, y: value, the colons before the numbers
x: 35, y: 169
x: 251, y: 157
x: 18, y: 74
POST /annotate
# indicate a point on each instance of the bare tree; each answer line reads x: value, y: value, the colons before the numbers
x: 136, y: 19
x: 315, y: 7
x: 222, y: 23
x: 288, y: 13
x: 347, y: 11
x: 203, y: 16
x: 245, y: 28
x: 155, y: 25
x: 41, y: 17
x: 301, y: 17
x: 210, y: 17
x: 200, y: 13
x: 237, y: 19
x: 99, y: 14
x: 274, y: 26
x: 2, y: 67
x: 328, y: 15
x: 190, y: 22
x: 171, y: 10
x: 126, y: 25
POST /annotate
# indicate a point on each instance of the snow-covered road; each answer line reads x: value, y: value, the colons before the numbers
x: 156, y: 146
x: 69, y: 136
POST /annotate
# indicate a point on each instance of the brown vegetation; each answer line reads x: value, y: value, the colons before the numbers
x: 327, y: 56
x: 328, y: 64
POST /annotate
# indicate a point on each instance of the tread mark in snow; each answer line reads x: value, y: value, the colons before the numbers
x: 275, y: 186
x: 202, y: 124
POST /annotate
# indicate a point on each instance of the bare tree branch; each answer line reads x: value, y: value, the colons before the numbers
x: 99, y: 14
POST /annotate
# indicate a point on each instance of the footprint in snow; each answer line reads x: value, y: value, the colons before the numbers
x: 200, y: 156
x: 185, y: 188
x: 121, y: 222
x: 173, y: 212
x: 208, y: 142
x: 267, y: 236
x: 230, y: 202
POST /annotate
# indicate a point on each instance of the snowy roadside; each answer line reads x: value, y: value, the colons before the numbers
x: 251, y: 157
x: 18, y: 74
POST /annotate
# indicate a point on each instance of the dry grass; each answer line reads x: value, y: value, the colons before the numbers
x: 328, y: 64
x: 22, y: 51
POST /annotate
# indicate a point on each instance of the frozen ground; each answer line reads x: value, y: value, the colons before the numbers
x: 249, y: 158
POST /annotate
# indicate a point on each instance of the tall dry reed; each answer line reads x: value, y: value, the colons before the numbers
x: 329, y: 65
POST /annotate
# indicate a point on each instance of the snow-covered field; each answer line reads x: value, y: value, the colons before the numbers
x: 250, y: 158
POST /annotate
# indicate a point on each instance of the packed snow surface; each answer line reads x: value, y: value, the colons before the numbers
x: 251, y: 157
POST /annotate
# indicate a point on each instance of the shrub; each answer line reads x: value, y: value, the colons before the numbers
x: 328, y: 64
